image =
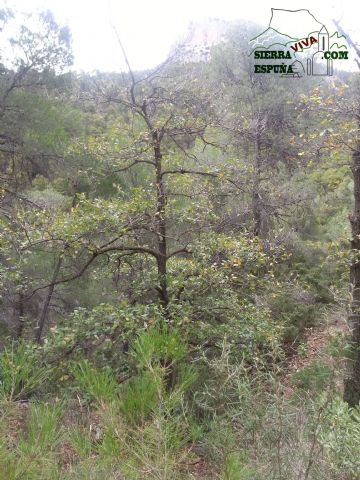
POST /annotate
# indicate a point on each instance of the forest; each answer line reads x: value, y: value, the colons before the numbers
x: 179, y: 265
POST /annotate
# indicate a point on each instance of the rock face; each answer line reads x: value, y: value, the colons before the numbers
x: 196, y: 44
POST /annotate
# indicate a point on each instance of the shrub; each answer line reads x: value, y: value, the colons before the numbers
x: 21, y: 372
x: 158, y: 346
x: 340, y: 437
x: 235, y: 470
x: 314, y: 378
x: 140, y: 397
x: 94, y: 384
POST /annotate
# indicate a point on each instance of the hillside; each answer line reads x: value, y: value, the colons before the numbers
x: 175, y: 263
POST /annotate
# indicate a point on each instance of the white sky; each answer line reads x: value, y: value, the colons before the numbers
x: 148, y: 28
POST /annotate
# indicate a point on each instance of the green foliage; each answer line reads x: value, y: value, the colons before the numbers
x: 139, y: 399
x: 98, y: 385
x: 99, y: 334
x: 314, y: 378
x: 162, y: 457
x: 197, y: 234
x: 235, y: 470
x: 340, y: 437
x: 21, y: 372
x: 81, y: 441
x: 91, y: 471
x: 297, y: 309
x: 42, y: 430
x: 146, y: 426
x: 35, y: 456
x: 163, y: 376
x: 157, y: 346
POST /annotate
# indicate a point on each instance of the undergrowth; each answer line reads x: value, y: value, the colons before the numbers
x: 177, y: 414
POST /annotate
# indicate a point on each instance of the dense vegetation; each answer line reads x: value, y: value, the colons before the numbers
x: 175, y: 257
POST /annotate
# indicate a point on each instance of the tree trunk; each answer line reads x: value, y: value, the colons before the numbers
x: 162, y: 253
x: 21, y: 315
x: 161, y: 225
x: 256, y: 197
x: 42, y: 320
x: 352, y: 383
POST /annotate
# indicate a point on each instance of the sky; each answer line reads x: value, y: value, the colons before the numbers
x: 149, y: 28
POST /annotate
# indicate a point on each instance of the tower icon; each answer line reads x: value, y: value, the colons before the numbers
x: 318, y: 64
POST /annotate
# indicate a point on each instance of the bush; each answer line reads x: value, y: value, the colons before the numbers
x: 140, y: 397
x: 21, y: 372
x: 235, y: 470
x: 314, y: 378
x: 94, y: 384
x: 158, y: 346
x: 340, y: 437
